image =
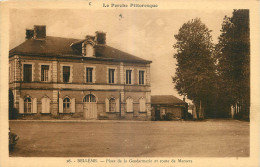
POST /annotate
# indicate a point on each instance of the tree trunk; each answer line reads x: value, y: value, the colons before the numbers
x: 201, y: 111
x: 194, y: 112
x: 232, y: 111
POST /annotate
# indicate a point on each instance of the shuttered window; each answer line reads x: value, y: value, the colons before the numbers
x: 142, y: 105
x: 129, y: 105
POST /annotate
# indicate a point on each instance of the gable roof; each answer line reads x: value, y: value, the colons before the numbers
x: 166, y: 99
x: 58, y: 46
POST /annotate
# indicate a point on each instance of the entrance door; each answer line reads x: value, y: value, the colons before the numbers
x: 90, y: 107
x: 157, y: 113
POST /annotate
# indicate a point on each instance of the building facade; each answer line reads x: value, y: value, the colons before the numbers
x: 166, y: 106
x: 71, y: 78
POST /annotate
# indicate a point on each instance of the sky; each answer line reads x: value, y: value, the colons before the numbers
x: 148, y: 34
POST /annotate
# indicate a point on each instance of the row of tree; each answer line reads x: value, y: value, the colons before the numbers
x: 216, y: 77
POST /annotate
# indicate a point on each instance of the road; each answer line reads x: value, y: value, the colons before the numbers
x: 211, y: 138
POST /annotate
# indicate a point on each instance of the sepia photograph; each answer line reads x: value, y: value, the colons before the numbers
x: 129, y: 79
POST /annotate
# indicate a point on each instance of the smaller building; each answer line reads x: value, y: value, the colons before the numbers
x: 168, y: 105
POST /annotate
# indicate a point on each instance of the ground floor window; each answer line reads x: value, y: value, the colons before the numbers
x: 112, y: 105
x: 129, y: 105
x: 27, y: 105
x: 66, y: 105
x: 142, y: 105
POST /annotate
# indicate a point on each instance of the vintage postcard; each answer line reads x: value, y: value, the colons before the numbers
x: 129, y: 83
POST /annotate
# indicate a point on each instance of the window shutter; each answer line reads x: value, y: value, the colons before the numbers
x: 131, y: 105
x: 43, y: 105
x: 107, y: 105
x: 127, y: 105
x: 48, y: 102
x: 34, y: 105
x: 60, y: 105
x: 94, y: 75
x: 117, y: 105
x: 132, y: 78
x: 73, y: 102
x: 21, y: 106
x: 142, y: 105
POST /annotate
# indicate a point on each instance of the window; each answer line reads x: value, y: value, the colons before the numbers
x: 66, y: 105
x: 45, y: 105
x: 112, y: 105
x: 141, y: 77
x: 111, y: 76
x: 89, y: 75
x: 66, y: 74
x: 27, y: 105
x: 128, y: 76
x: 89, y: 98
x: 163, y: 111
x: 44, y: 73
x: 27, y: 73
x: 89, y: 50
x: 142, y: 105
x: 129, y: 105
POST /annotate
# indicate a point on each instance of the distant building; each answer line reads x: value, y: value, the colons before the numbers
x: 65, y: 77
x: 163, y: 104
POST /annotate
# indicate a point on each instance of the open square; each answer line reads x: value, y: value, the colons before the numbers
x: 210, y: 138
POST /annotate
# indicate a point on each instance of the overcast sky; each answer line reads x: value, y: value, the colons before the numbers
x: 148, y: 34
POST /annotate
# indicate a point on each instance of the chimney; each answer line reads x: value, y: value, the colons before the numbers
x: 90, y: 37
x: 100, y: 37
x: 39, y: 31
x: 29, y: 33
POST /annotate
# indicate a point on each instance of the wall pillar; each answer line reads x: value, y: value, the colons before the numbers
x: 121, y: 73
x: 122, y: 94
x: 55, y: 103
x: 148, y: 106
x: 54, y: 71
x: 148, y: 74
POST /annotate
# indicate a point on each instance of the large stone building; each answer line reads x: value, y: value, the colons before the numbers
x: 85, y: 79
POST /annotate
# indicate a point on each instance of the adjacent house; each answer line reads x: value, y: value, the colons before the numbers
x: 64, y: 77
x: 163, y: 104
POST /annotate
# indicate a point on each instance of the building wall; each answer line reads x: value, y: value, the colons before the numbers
x: 178, y: 112
x: 55, y: 89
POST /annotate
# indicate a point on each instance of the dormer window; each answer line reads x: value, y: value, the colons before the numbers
x: 87, y: 50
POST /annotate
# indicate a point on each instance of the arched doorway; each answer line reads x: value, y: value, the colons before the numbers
x: 90, y: 106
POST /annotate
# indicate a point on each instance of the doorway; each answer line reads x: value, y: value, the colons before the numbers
x: 90, y: 107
